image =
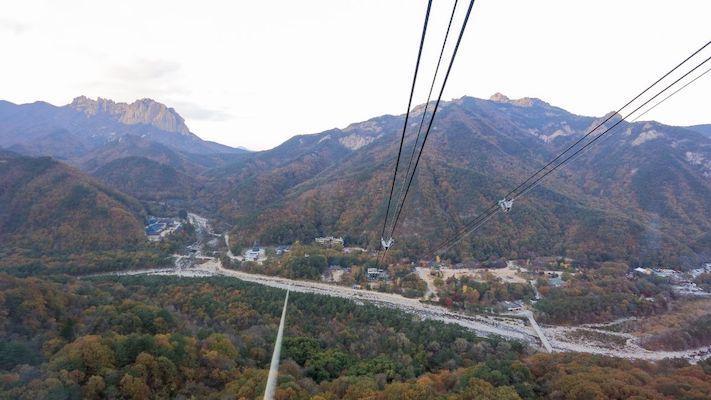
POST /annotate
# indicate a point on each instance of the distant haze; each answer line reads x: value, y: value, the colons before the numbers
x: 253, y: 74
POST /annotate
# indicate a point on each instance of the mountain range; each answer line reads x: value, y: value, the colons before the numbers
x: 88, y: 133
x: 641, y: 195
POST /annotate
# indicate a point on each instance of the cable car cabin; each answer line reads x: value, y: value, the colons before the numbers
x: 386, y: 243
x: 506, y: 205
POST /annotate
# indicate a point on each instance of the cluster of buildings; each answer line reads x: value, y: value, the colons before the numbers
x: 158, y: 228
x: 690, y: 289
x: 329, y: 241
x: 682, y: 282
x: 259, y: 254
x: 705, y: 269
x: 673, y: 275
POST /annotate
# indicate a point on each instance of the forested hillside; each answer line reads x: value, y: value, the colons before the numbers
x: 211, y: 338
x: 643, y: 195
x: 705, y: 129
x: 146, y: 179
x: 49, y: 208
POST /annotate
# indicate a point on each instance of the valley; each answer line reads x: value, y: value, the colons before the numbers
x: 608, y: 343
x: 604, y: 207
x: 597, y: 268
x: 516, y: 325
x: 355, y: 200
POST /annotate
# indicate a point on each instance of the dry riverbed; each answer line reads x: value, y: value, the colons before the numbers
x: 578, y: 339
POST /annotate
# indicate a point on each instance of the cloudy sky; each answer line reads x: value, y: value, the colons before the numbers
x: 254, y: 73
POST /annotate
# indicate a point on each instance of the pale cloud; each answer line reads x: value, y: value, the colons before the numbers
x: 195, y: 111
x: 145, y: 70
x: 13, y: 26
x: 128, y: 81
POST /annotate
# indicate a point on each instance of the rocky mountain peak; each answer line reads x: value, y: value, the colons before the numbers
x: 522, y: 102
x: 613, y: 118
x: 84, y: 104
x: 143, y: 111
x: 499, y: 98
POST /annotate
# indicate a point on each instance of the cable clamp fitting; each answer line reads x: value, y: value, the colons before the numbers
x: 506, y: 204
x: 386, y: 243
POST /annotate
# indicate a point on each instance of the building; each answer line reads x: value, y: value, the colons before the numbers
x: 705, y: 269
x: 513, y: 306
x: 158, y: 228
x: 255, y: 254
x: 155, y: 228
x: 374, y: 274
x: 371, y: 273
x: 672, y: 275
x: 690, y: 289
x: 349, y: 250
x: 664, y: 272
x: 283, y: 249
x: 555, y: 282
x: 329, y: 241
x: 643, y: 271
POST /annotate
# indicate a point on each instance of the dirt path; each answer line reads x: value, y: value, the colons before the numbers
x: 424, y: 274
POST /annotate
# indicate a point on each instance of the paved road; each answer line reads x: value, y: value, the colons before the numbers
x: 541, y: 336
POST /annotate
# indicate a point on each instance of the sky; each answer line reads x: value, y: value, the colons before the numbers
x: 254, y: 73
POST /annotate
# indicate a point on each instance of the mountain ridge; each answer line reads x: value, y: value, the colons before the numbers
x: 703, y: 129
x: 314, y: 185
x: 142, y: 111
x: 49, y: 208
x: 643, y: 194
x: 85, y: 126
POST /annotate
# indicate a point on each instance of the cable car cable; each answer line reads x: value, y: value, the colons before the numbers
x: 427, y: 103
x: 434, y: 113
x: 612, y: 127
x: 619, y: 110
x: 467, y: 230
x: 407, y: 114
